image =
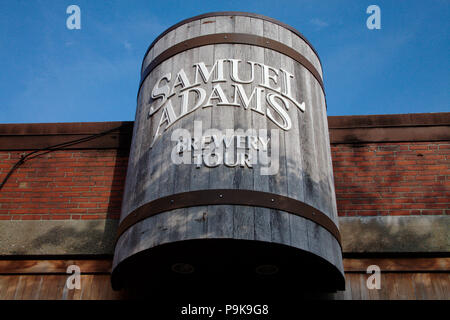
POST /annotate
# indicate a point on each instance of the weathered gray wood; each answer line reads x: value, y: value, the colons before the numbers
x: 301, y: 46
x: 297, y: 225
x: 281, y: 232
x: 197, y: 217
x: 176, y: 221
x: 330, y: 178
x: 154, y: 185
x: 305, y: 169
x: 322, y: 198
x: 243, y: 216
x: 262, y: 220
x: 297, y: 43
x: 308, y: 152
x: 220, y: 219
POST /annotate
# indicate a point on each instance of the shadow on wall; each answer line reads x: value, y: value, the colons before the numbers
x: 94, y: 236
x: 90, y: 237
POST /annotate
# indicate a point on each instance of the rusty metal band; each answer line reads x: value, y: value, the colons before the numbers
x: 231, y: 38
x: 229, y: 197
x: 231, y: 14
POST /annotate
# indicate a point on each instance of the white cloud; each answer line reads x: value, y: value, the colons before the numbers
x: 319, y: 24
x: 127, y: 45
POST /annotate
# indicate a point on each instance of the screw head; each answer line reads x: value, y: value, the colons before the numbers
x: 182, y: 268
x: 266, y: 269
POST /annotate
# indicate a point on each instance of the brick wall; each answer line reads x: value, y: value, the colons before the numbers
x: 372, y: 176
x: 72, y: 184
x: 407, y: 178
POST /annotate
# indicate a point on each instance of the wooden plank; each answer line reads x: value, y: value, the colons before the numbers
x: 19, y: 287
x: 327, y: 181
x: 97, y: 288
x: 144, y: 163
x: 61, y: 284
x: 394, y: 286
x: 157, y: 227
x: 170, y: 39
x: 138, y: 152
x: 302, y: 47
x: 173, y: 178
x: 321, y: 195
x: 53, y: 266
x: 48, y: 288
x: 440, y: 283
x: 148, y: 59
x: 333, y: 214
x: 355, y: 286
x: 197, y: 217
x: 443, y: 280
x: 348, y: 289
x: 281, y: 232
x: 372, y: 294
x: 308, y: 152
x: 308, y: 147
x: 243, y: 216
x: 419, y: 288
x: 72, y: 294
x: 405, y: 287
x: 220, y: 218
x: 428, y: 290
x: 31, y: 288
x: 4, y: 283
x: 388, y: 288
x: 53, y: 287
x: 398, y: 264
x: 107, y: 293
x: 86, y: 287
x: 298, y: 232
x: 104, y: 265
x: 8, y: 286
x: 182, y: 174
x: 262, y: 219
x: 364, y: 291
x: 327, y: 203
x: 322, y: 201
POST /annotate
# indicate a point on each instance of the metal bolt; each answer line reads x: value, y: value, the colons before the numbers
x: 171, y: 201
x: 272, y: 200
x: 220, y: 195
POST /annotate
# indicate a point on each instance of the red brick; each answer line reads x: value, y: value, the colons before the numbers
x: 87, y: 205
x: 93, y: 216
x: 399, y: 213
x: 432, y: 212
x: 30, y: 217
x: 60, y: 217
x: 400, y: 189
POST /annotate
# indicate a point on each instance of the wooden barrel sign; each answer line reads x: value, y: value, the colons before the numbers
x: 230, y: 173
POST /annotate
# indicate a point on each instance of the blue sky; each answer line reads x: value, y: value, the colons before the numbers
x: 52, y: 74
